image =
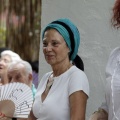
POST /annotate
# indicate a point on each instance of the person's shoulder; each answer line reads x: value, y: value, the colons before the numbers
x: 115, y: 50
x: 77, y: 72
x: 43, y: 79
x: 75, y: 69
x: 46, y: 75
x: 115, y: 53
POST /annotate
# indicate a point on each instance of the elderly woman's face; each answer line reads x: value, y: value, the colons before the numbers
x: 18, y: 73
x: 54, y: 47
x: 4, y: 62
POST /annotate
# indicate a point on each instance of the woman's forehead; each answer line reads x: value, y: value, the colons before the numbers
x: 16, y: 67
x: 53, y: 35
x: 6, y: 56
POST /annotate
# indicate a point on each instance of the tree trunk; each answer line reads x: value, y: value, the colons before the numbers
x: 23, y: 28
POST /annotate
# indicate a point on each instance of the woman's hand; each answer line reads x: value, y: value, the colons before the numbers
x: 2, y: 115
x: 99, y: 115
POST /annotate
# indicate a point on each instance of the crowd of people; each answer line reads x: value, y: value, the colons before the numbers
x: 14, y: 69
x: 63, y: 92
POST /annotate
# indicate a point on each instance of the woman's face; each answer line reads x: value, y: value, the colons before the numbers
x: 4, y: 62
x: 17, y: 73
x: 54, y: 47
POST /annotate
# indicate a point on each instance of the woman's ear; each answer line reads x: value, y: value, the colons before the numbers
x: 68, y: 50
x: 30, y: 77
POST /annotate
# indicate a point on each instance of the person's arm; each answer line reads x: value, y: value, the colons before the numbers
x: 78, y: 101
x: 101, y: 114
x: 104, y: 106
x: 2, y: 115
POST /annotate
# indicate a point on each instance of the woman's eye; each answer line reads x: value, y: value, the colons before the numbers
x: 44, y: 44
x: 55, y: 43
x: 6, y: 61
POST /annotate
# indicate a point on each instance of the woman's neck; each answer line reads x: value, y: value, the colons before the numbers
x: 60, y: 68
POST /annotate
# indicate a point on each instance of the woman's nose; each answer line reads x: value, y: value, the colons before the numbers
x: 1, y: 62
x: 49, y: 48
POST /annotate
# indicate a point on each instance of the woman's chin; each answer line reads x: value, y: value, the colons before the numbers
x: 50, y: 62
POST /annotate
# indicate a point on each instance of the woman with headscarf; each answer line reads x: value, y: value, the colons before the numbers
x: 110, y: 109
x: 62, y: 93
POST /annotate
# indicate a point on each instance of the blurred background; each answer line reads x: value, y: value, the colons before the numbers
x: 20, y: 23
x: 20, y: 27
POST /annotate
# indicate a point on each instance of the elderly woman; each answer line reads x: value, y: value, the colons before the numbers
x: 21, y: 71
x: 62, y: 93
x: 6, y: 58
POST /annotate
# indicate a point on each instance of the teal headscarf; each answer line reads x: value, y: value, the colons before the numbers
x: 69, y: 32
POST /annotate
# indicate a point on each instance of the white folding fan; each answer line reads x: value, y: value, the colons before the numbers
x: 16, y: 100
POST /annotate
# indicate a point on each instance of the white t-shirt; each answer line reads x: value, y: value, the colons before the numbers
x: 56, y: 104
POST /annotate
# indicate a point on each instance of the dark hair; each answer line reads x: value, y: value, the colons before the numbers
x: 3, y: 49
x: 78, y: 62
x: 34, y: 65
x: 116, y: 14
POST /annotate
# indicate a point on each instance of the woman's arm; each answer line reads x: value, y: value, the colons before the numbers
x: 78, y: 101
x: 101, y: 114
x: 2, y: 115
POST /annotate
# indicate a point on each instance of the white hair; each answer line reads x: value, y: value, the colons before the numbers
x: 24, y: 63
x: 27, y: 66
x: 14, y: 56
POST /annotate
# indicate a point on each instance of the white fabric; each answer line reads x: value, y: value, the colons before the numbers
x: 56, y: 104
x: 112, y: 96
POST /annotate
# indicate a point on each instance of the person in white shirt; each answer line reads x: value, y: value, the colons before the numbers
x: 110, y: 109
x: 62, y: 93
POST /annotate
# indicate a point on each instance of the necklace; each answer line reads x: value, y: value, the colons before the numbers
x: 50, y: 82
